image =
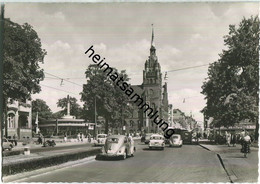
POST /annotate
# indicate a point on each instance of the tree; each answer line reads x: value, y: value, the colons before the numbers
x: 231, y: 88
x: 44, y: 112
x: 111, y: 102
x: 75, y: 108
x: 22, y: 56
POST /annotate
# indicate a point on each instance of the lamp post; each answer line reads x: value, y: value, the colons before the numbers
x: 95, y: 128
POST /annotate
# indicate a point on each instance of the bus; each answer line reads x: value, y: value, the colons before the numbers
x: 186, y: 136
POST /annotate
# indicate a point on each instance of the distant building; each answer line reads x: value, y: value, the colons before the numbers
x: 153, y: 92
x: 180, y: 119
x: 170, y: 115
x: 68, y: 124
x: 19, y: 119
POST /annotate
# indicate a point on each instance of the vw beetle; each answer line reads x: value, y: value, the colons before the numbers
x: 176, y: 140
x: 156, y: 141
x: 101, y: 139
x: 117, y: 146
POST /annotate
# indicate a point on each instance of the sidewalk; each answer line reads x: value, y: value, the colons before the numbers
x: 59, y: 143
x: 238, y: 168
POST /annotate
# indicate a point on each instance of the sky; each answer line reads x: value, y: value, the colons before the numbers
x: 185, y: 35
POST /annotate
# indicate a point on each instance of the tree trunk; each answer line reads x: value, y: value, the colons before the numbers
x: 106, y: 125
x: 256, y: 130
x: 4, y: 123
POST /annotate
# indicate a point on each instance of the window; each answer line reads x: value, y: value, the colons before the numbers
x: 102, y: 136
x: 112, y: 140
x: 11, y: 120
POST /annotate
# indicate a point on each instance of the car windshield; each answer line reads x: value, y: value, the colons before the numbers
x: 112, y: 140
x: 101, y: 136
x: 175, y: 137
x: 156, y: 138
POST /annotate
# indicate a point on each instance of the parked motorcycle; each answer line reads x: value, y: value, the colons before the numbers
x: 49, y: 143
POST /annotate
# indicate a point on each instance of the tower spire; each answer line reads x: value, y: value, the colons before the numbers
x: 152, y: 41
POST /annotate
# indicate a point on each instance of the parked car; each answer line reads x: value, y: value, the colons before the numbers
x: 156, y: 141
x: 147, y: 138
x: 117, y: 146
x: 176, y: 140
x: 7, y: 145
x: 101, y: 139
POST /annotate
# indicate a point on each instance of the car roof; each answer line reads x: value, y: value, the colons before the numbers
x: 101, y: 134
x: 116, y: 136
x: 176, y: 134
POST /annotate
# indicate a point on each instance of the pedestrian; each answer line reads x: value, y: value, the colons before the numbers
x: 15, y: 139
x: 234, y: 139
x: 228, y: 138
x: 246, y: 144
x: 197, y: 137
x: 65, y: 137
x: 39, y: 139
x: 78, y: 137
x: 81, y: 137
x: 242, y: 134
x: 89, y: 137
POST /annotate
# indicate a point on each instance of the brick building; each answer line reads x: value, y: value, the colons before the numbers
x: 153, y: 93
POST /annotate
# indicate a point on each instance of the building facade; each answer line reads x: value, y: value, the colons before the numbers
x: 153, y: 93
x: 19, y: 119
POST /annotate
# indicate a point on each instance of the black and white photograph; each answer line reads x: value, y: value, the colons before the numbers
x: 129, y: 91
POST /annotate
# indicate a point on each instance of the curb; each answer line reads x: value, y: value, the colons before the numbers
x: 222, y: 164
x: 28, y: 165
x: 204, y: 147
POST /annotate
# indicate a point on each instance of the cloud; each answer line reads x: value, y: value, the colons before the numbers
x: 186, y: 34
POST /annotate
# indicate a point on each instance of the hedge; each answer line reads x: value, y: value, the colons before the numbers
x: 28, y: 165
x: 11, y: 153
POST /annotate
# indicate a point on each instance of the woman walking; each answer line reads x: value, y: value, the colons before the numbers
x: 246, y: 145
x: 228, y: 138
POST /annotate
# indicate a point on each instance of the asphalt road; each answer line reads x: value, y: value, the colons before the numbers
x: 191, y: 163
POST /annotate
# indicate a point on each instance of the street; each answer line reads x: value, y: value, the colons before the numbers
x: 191, y: 163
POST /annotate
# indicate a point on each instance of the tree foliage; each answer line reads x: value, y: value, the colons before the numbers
x: 111, y: 102
x: 21, y: 70
x: 75, y: 108
x: 44, y: 112
x: 22, y: 56
x: 231, y: 88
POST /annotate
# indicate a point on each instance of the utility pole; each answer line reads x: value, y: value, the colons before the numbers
x: 95, y: 128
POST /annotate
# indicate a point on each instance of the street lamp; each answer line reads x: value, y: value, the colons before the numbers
x: 95, y: 128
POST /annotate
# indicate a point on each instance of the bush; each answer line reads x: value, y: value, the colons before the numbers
x: 33, y: 164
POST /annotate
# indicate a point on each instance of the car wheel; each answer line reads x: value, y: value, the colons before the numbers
x: 162, y: 148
